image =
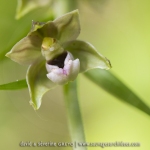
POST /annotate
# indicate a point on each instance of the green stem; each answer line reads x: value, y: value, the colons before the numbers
x: 74, y: 115
x: 72, y: 5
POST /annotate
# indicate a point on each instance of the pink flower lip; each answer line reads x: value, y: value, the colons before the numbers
x: 68, y: 72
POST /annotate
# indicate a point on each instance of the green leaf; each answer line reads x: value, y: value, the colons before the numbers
x: 114, y: 86
x: 17, y: 85
x: 88, y: 56
x: 25, y: 6
x: 27, y: 50
x: 38, y: 83
x: 68, y: 26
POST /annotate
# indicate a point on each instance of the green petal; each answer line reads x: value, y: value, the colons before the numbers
x: 25, y: 6
x: 27, y: 50
x: 38, y: 83
x: 89, y: 57
x: 68, y: 26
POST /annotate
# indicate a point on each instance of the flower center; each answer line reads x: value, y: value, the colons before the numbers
x: 51, y: 48
x: 47, y: 43
x: 59, y: 60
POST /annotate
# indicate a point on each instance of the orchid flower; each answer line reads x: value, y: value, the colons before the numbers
x: 54, y: 55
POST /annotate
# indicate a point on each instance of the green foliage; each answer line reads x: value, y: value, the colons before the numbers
x: 120, y: 29
x: 17, y: 85
x: 114, y: 86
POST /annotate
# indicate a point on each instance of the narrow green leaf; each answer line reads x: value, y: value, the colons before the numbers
x: 17, y: 85
x: 114, y: 86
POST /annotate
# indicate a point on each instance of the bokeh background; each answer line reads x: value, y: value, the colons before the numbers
x: 120, y: 30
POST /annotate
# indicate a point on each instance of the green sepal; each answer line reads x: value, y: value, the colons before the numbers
x: 68, y: 26
x: 27, y: 50
x: 89, y: 57
x: 38, y: 83
x: 65, y: 28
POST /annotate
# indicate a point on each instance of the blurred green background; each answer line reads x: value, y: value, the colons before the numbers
x: 119, y: 29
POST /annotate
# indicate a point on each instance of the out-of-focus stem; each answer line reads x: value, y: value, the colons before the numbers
x: 72, y: 4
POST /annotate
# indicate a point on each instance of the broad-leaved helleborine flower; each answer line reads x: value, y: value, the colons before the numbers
x: 54, y: 55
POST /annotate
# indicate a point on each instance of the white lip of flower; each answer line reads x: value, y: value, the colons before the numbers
x: 63, y: 75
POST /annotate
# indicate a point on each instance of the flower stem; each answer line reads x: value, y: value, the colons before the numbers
x: 72, y: 5
x: 74, y: 115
